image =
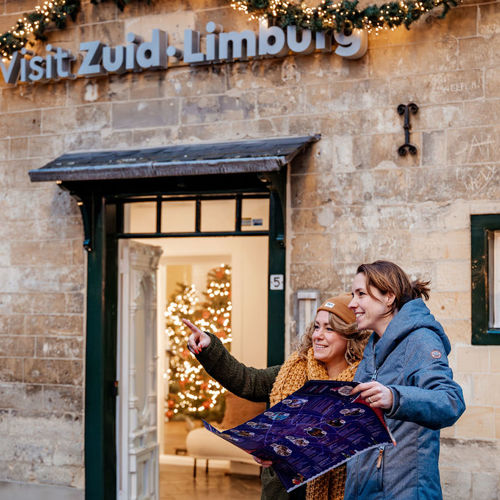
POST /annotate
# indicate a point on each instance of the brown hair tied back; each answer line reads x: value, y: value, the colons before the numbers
x: 389, y: 277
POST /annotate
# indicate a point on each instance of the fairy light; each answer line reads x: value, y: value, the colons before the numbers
x: 191, y: 391
x: 338, y: 17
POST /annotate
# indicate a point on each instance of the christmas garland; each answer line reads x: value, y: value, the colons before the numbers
x: 342, y: 15
x: 34, y: 24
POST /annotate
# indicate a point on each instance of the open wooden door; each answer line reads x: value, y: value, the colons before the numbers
x: 137, y: 416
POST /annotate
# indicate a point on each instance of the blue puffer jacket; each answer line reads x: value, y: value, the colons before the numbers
x: 411, y: 359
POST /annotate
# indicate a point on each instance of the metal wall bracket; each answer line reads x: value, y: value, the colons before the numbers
x: 406, y: 109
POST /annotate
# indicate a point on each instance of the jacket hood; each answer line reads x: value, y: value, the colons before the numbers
x: 412, y: 316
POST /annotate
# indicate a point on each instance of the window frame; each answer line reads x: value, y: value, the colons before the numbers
x: 482, y: 333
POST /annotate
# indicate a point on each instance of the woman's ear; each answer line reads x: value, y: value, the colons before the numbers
x: 389, y: 299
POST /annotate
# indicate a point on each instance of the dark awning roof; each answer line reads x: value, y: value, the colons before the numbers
x: 265, y: 155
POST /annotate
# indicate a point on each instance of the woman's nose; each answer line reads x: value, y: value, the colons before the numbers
x: 352, y: 304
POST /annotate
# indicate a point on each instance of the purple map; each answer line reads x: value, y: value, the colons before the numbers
x: 313, y: 430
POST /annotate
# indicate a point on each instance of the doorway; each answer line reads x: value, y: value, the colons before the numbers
x: 181, y: 272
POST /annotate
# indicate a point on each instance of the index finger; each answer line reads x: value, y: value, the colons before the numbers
x: 192, y: 327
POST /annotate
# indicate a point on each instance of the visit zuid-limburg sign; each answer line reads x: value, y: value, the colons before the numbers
x: 99, y: 59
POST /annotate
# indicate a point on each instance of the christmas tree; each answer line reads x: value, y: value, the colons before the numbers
x: 191, y: 391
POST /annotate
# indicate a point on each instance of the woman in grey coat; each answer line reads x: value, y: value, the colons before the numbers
x: 405, y: 372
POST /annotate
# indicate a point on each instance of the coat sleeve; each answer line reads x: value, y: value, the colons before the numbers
x: 246, y: 382
x: 430, y: 397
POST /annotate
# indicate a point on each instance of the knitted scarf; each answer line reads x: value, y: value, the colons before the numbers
x: 294, y: 373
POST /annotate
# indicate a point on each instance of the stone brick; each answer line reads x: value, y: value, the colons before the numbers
x: 199, y: 81
x: 485, y: 486
x: 86, y: 118
x: 17, y: 346
x: 25, y: 123
x: 394, y: 59
x: 497, y: 423
x: 56, y: 347
x: 494, y: 358
x: 450, y: 276
x: 11, y: 324
x: 19, y: 6
x: 110, y: 33
x: 450, y: 305
x: 45, y: 146
x: 219, y: 131
x: 280, y: 102
x: 62, y: 399
x: 52, y: 371
x: 469, y: 455
x: 310, y: 248
x: 473, y: 359
x: 433, y: 151
x: 50, y: 253
x: 25, y: 97
x: 384, y: 150
x: 478, y: 52
x: 74, y: 303
x: 11, y: 370
x: 152, y: 137
x: 437, y: 88
x: 488, y: 19
x: 21, y: 396
x: 314, y: 69
x: 478, y: 113
x: 112, y: 139
x: 440, y: 117
x: 210, y: 108
x: 321, y: 276
x: 79, y: 141
x: 54, y: 325
x: 491, y: 77
x: 55, y: 457
x: 440, y: 245
x: 466, y: 383
x: 484, y: 393
x: 18, y: 149
x: 455, y: 484
x: 473, y: 145
x: 477, y: 422
x: 130, y: 115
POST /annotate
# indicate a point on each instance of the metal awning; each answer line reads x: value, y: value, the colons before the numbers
x: 265, y: 155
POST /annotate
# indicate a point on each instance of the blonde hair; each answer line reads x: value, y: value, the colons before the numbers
x: 356, y: 339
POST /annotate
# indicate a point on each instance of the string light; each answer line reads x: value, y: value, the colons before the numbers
x: 191, y: 391
x: 340, y: 16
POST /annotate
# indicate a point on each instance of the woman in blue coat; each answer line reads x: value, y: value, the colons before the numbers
x: 405, y: 372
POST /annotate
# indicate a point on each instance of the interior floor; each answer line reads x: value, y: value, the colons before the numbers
x: 177, y: 483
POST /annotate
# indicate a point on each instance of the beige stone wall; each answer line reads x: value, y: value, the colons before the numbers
x: 353, y: 199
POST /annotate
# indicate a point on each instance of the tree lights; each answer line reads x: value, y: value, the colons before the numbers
x: 191, y: 391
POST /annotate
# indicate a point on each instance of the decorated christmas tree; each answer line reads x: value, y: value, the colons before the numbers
x: 191, y: 391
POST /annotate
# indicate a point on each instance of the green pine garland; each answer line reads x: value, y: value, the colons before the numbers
x: 34, y: 24
x: 342, y: 15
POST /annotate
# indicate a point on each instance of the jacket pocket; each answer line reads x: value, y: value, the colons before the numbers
x: 380, y: 468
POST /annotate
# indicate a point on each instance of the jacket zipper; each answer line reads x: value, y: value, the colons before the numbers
x: 380, y: 469
x: 380, y: 457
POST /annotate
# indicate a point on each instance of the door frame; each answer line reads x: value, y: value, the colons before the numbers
x: 102, y: 224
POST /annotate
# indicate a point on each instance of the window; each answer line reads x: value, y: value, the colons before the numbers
x: 485, y: 261
x: 239, y: 214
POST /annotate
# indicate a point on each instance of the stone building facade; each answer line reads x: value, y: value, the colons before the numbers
x: 352, y: 199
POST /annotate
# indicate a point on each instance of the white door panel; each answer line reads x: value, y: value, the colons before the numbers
x: 137, y: 425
